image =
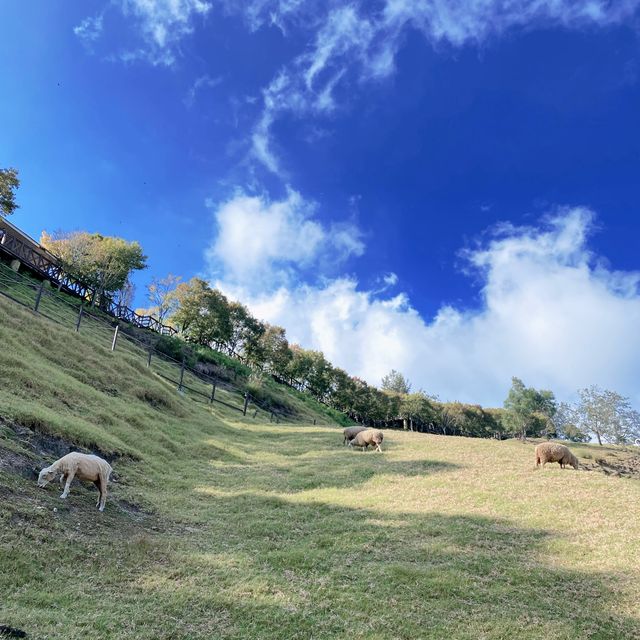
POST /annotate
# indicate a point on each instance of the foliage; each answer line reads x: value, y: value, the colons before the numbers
x: 223, y: 527
x: 9, y: 182
x: 607, y: 415
x: 529, y: 411
x: 202, y: 313
x: 394, y: 381
x: 274, y: 350
x: 103, y: 262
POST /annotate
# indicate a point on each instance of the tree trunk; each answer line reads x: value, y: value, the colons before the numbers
x: 599, y: 438
x: 405, y: 426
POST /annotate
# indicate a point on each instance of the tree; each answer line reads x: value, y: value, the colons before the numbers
x: 394, y: 381
x: 528, y: 410
x: 103, y: 262
x: 565, y: 421
x: 414, y: 407
x: 9, y: 182
x: 245, y: 331
x: 160, y: 292
x: 202, y: 314
x: 275, y: 350
x: 607, y: 415
x: 124, y: 296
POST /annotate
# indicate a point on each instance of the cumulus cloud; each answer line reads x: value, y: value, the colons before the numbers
x: 349, y: 44
x: 261, y: 243
x: 551, y: 313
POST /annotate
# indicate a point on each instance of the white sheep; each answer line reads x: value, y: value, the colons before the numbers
x: 368, y: 437
x: 82, y: 465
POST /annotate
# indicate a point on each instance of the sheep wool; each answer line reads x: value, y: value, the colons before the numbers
x: 554, y: 452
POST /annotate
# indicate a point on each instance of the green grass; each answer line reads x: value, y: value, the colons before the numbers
x: 224, y: 527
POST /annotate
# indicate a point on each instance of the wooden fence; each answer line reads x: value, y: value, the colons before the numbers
x: 109, y: 333
x: 17, y: 245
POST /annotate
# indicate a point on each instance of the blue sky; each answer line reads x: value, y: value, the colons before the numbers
x: 450, y: 189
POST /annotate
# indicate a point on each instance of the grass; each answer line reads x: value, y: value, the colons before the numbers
x: 224, y: 527
x: 99, y: 327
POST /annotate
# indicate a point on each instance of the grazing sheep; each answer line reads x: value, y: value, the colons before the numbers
x: 85, y: 466
x: 552, y: 452
x: 351, y: 432
x: 368, y: 437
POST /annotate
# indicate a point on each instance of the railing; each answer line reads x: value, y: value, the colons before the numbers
x: 45, y: 264
x: 105, y: 333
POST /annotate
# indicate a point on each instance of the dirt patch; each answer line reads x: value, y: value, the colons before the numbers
x: 621, y: 467
x: 43, y: 446
x: 24, y: 452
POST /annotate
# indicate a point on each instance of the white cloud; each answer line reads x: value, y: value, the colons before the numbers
x: 162, y: 24
x: 203, y: 82
x: 261, y: 243
x: 390, y: 279
x: 349, y: 45
x: 551, y: 313
x: 89, y: 30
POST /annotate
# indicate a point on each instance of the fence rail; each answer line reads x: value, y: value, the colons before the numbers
x: 198, y: 386
x: 47, y: 266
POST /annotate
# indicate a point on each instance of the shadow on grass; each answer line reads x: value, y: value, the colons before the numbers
x: 323, y: 571
x: 317, y: 471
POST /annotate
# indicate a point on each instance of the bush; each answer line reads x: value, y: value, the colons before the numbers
x: 176, y: 348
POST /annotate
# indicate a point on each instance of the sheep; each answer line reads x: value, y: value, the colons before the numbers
x: 368, y: 437
x: 351, y: 432
x: 85, y: 466
x: 553, y: 452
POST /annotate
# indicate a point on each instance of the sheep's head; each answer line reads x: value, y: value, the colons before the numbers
x: 46, y: 476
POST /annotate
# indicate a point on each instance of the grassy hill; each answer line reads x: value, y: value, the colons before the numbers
x: 220, y: 526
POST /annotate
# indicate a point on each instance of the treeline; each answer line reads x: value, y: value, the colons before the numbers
x: 204, y: 317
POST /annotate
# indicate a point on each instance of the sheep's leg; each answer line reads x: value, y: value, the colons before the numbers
x: 61, y: 479
x: 67, y: 485
x: 98, y: 484
x: 103, y: 493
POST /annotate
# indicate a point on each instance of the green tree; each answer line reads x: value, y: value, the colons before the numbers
x: 394, y: 381
x: 202, y: 314
x: 300, y: 367
x: 9, y: 183
x: 246, y: 332
x: 413, y: 409
x: 528, y: 410
x: 607, y: 415
x: 275, y: 350
x: 103, y: 262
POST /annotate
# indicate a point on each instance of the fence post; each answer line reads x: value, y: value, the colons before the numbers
x: 79, y: 320
x: 246, y: 403
x: 213, y: 393
x: 181, y: 375
x: 39, y: 296
x: 255, y: 413
x: 149, y: 359
x: 314, y: 421
x: 115, y: 338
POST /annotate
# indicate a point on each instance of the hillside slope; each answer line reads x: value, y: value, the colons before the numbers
x: 219, y: 526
